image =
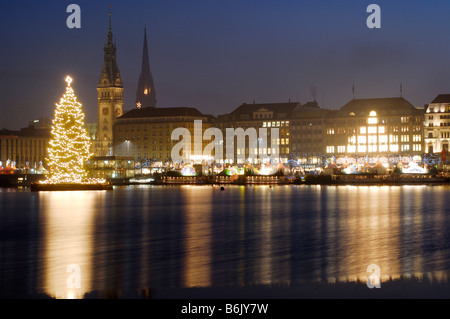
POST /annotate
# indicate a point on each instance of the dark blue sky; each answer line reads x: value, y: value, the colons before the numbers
x: 216, y: 55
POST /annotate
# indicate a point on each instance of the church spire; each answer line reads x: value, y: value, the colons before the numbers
x: 146, y: 94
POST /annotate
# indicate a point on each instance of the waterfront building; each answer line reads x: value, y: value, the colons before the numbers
x: 308, y: 129
x: 145, y: 133
x: 373, y: 129
x: 266, y: 115
x: 109, y: 98
x: 24, y: 149
x: 437, y: 125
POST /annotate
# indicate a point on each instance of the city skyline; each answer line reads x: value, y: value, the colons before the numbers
x: 215, y: 56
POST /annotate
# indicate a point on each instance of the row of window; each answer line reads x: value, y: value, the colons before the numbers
x: 276, y: 124
x: 372, y: 130
x: 372, y: 148
x: 265, y: 151
x: 145, y: 146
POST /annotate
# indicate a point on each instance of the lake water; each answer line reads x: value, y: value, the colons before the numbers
x: 141, y: 238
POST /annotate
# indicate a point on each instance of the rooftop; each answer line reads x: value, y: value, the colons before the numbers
x: 162, y: 112
x: 442, y: 98
x: 388, y: 106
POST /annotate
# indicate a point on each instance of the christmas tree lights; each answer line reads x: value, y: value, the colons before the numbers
x: 69, y: 146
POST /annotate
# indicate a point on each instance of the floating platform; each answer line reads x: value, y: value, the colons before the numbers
x: 36, y: 187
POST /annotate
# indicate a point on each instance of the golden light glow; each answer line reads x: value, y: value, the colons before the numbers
x: 198, y: 238
x: 68, y: 240
x: 68, y: 80
x: 69, y: 146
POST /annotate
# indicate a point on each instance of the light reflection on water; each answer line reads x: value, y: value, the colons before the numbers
x: 142, y: 237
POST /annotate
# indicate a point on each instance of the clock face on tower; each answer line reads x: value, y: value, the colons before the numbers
x: 105, y: 111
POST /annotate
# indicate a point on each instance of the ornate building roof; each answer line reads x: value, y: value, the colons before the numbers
x: 110, y: 75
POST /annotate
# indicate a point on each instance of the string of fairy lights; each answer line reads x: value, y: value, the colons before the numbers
x: 70, y: 145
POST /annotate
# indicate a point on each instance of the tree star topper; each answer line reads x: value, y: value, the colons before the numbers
x: 68, y: 80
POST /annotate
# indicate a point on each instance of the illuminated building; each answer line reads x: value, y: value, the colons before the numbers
x: 374, y: 128
x: 26, y: 148
x: 145, y: 133
x: 109, y: 98
x: 437, y: 125
x: 270, y: 115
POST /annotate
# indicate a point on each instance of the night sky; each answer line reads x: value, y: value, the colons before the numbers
x: 216, y: 55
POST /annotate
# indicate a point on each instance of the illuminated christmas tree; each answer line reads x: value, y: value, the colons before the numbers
x: 69, y: 147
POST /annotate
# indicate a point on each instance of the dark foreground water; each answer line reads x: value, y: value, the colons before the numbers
x: 145, y: 240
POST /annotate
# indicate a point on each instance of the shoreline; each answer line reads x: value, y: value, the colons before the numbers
x: 30, y: 181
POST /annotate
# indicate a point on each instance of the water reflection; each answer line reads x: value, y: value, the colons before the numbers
x: 198, y: 237
x: 150, y: 237
x: 67, y: 246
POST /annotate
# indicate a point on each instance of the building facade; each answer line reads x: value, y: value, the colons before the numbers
x: 146, y: 133
x: 308, y: 130
x: 269, y: 115
x: 374, y: 128
x: 25, y: 149
x: 437, y: 125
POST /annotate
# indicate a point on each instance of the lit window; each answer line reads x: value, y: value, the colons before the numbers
x: 393, y: 138
x: 361, y: 140
x: 362, y: 148
x: 383, y: 139
x: 393, y: 147
x: 330, y: 149
x: 381, y: 129
x: 362, y: 130
x: 383, y: 148
x: 372, y: 130
x: 373, y: 113
x: 351, y: 148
